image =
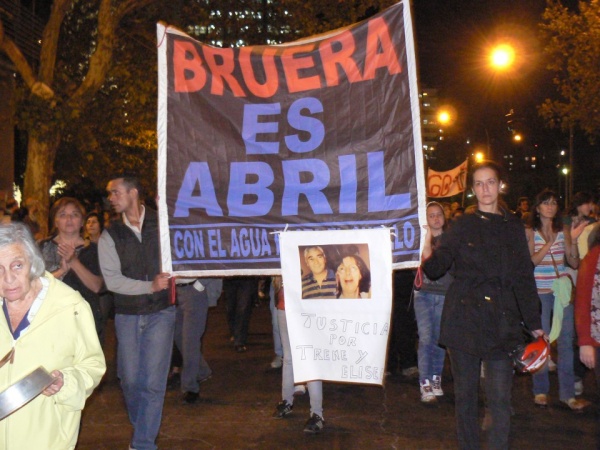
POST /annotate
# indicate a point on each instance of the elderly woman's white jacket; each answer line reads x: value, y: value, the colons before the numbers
x: 62, y: 336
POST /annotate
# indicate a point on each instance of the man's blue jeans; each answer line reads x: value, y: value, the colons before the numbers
x: 428, y: 311
x: 498, y: 379
x: 565, y: 367
x: 144, y: 350
x: 192, y: 312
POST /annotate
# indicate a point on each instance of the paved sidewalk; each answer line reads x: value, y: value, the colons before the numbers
x: 235, y: 407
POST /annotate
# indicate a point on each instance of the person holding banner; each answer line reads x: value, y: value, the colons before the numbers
x: 492, y: 293
x: 315, y: 422
x: 129, y: 257
x: 429, y: 303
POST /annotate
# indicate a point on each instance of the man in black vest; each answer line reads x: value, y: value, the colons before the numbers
x: 144, y: 320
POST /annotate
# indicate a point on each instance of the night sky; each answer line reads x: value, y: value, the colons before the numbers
x: 451, y: 40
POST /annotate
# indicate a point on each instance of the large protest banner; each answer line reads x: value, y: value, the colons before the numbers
x: 341, y: 334
x: 317, y: 134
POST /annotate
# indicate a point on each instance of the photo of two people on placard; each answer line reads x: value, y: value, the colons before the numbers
x: 340, y: 271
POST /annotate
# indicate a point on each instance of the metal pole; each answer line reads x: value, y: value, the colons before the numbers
x: 570, y: 175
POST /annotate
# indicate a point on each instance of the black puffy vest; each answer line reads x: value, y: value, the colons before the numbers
x: 139, y: 261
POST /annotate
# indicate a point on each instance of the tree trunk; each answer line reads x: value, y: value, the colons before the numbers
x: 39, y: 172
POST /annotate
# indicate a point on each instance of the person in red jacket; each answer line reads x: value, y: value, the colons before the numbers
x: 587, y: 304
x: 587, y: 308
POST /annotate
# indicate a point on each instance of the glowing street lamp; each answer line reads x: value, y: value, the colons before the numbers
x: 517, y: 137
x: 479, y: 156
x: 444, y: 117
x: 502, y: 57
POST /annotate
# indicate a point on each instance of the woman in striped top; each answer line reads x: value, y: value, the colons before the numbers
x: 550, y: 247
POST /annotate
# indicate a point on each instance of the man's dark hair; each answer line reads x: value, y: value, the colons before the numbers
x: 132, y: 182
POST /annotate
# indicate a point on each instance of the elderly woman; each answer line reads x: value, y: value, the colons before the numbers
x: 71, y: 258
x: 353, y: 277
x: 47, y: 324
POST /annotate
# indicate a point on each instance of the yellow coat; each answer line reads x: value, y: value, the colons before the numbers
x: 62, y: 336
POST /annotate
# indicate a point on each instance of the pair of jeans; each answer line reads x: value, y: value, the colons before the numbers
x: 190, y: 323
x: 466, y: 369
x: 315, y: 388
x: 275, y: 324
x: 240, y: 294
x: 144, y: 350
x: 428, y: 311
x: 565, y: 368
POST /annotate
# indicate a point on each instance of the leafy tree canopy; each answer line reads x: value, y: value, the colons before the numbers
x: 573, y: 54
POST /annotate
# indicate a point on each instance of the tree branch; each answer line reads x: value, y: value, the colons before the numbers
x: 128, y: 6
x: 101, y: 59
x: 16, y: 56
x: 50, y: 40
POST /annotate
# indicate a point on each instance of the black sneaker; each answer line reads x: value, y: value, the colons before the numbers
x: 282, y: 410
x: 189, y: 398
x: 314, y: 424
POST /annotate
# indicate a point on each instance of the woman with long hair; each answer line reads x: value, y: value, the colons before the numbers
x: 429, y: 303
x: 492, y: 292
x: 69, y: 257
x: 549, y: 249
x: 353, y: 278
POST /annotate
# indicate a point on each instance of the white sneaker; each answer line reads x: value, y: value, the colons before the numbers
x: 436, y: 386
x: 277, y: 362
x: 427, y: 395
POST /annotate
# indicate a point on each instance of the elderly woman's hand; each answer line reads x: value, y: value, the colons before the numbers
x: 56, y: 385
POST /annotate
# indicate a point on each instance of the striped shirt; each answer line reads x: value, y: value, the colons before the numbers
x: 544, y: 272
x: 312, y: 289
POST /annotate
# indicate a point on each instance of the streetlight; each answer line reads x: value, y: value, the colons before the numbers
x: 502, y: 57
x: 444, y: 117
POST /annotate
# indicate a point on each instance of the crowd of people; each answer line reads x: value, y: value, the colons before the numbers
x: 486, y: 274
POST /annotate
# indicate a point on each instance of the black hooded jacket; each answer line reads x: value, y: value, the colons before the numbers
x: 493, y: 290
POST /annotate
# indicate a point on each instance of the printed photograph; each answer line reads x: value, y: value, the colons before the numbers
x: 335, y: 271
